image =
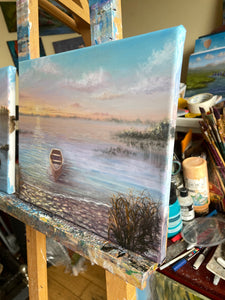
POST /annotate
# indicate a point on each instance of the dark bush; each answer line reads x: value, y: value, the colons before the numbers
x: 134, y: 221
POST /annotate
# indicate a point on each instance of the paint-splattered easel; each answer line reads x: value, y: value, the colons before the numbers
x: 132, y: 269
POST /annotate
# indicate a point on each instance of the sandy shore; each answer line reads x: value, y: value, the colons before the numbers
x: 89, y: 215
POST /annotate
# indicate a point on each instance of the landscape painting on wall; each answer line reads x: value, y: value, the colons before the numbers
x: 206, y: 73
x: 96, y: 136
x: 7, y: 129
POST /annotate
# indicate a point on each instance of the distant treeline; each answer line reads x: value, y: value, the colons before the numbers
x: 116, y: 120
x: 160, y: 132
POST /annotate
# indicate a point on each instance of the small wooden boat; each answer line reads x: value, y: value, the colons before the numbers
x: 56, y: 162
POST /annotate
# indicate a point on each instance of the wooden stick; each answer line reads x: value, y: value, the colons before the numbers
x: 73, y: 6
x: 84, y: 29
x: 119, y: 289
x: 58, y: 14
x: 27, y: 13
x: 37, y: 264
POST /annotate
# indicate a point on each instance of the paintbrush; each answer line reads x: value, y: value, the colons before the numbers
x: 213, y: 149
x: 208, y: 140
x: 219, y: 123
x: 209, y: 143
x: 206, y: 120
x: 223, y: 116
x: 218, y: 175
x: 212, y: 122
x: 203, y: 113
x: 219, y: 139
x: 210, y: 132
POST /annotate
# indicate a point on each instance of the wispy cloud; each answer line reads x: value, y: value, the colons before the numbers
x: 89, y: 81
x: 221, y: 54
x: 152, y: 76
x: 209, y: 56
x: 159, y: 59
x: 40, y: 69
x: 108, y: 95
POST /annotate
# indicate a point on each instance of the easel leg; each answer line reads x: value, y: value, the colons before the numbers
x: 37, y: 264
x: 117, y: 289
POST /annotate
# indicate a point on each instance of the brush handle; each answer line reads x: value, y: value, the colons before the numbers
x: 220, y: 129
x: 215, y: 168
x: 213, y: 150
x: 217, y: 159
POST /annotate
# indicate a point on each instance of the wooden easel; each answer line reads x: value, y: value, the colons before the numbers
x: 27, y: 10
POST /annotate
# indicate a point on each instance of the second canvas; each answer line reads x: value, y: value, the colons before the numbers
x: 96, y: 136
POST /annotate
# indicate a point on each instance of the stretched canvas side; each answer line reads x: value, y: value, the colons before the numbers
x: 7, y: 129
x: 96, y: 136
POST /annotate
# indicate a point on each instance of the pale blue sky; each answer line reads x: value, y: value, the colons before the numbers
x: 137, y: 72
x: 202, y: 59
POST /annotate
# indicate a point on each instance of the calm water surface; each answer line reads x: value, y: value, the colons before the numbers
x: 92, y: 169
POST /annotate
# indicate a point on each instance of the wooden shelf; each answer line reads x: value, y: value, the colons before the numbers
x: 184, y: 124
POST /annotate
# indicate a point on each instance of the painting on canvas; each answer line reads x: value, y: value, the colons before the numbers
x: 206, y: 73
x: 68, y: 44
x: 13, y: 48
x: 7, y: 129
x: 96, y: 136
x: 210, y: 42
x: 9, y: 12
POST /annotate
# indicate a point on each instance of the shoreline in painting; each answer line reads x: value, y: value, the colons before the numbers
x: 101, y: 159
x: 91, y: 216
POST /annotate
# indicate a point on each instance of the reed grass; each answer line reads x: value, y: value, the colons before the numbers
x: 134, y: 222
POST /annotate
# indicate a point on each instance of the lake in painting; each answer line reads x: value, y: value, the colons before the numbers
x: 109, y: 113
x: 97, y: 162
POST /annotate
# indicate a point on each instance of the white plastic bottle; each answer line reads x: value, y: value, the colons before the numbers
x: 186, y: 206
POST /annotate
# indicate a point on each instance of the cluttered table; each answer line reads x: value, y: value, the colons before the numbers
x: 200, y: 135
x: 201, y: 280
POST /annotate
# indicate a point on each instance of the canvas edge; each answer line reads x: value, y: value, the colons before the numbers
x: 11, y: 87
x: 180, y: 39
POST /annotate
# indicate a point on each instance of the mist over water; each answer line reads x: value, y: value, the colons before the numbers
x: 97, y: 163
